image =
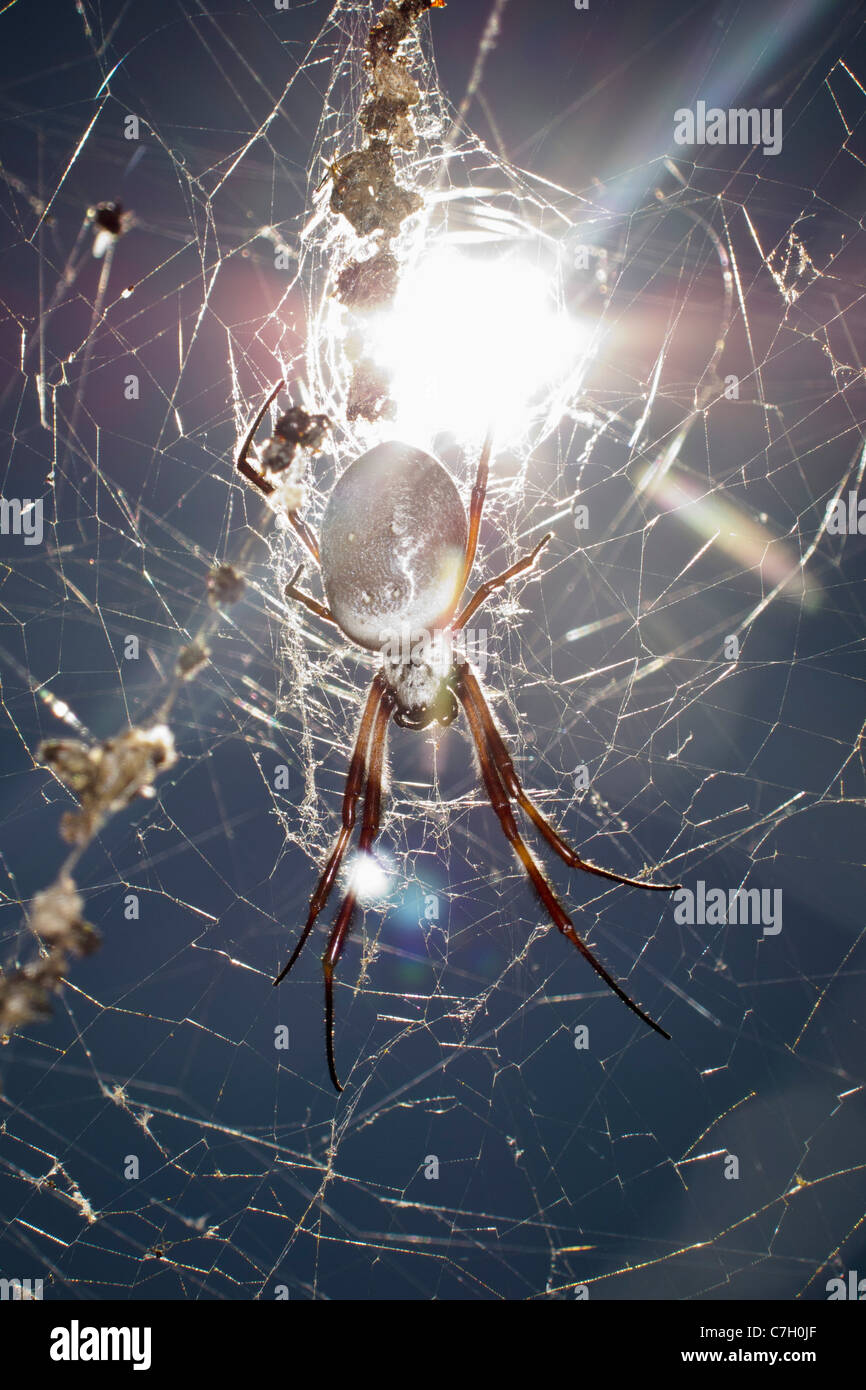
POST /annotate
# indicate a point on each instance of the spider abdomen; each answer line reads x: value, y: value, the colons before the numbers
x: 392, y: 545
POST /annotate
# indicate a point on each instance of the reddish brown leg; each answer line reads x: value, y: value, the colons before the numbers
x: 476, y: 507
x: 369, y: 831
x: 491, y: 585
x: 354, y: 785
x: 264, y: 485
x: 301, y: 596
x: 245, y: 468
x: 500, y: 803
x: 471, y: 690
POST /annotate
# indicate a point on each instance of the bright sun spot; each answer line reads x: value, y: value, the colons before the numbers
x: 368, y: 879
x: 473, y: 342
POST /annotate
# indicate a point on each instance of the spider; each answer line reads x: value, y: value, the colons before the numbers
x: 396, y: 553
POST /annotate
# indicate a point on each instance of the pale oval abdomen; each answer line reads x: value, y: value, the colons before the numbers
x: 392, y: 544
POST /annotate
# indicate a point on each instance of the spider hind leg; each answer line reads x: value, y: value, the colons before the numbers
x: 471, y: 691
x: 355, y: 780
x: 496, y: 787
x: 365, y: 774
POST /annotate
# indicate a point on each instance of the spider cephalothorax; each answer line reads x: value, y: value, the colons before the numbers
x: 395, y: 554
x: 423, y: 685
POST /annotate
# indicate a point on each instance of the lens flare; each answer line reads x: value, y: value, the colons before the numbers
x: 724, y: 522
x: 369, y: 880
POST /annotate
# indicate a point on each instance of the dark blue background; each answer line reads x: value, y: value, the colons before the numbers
x: 556, y: 1167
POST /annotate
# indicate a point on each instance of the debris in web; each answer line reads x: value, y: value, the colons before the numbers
x: 110, y: 222
x: 225, y: 586
x: 56, y: 921
x: 367, y: 192
x: 107, y: 776
x: 369, y: 284
x: 191, y: 659
x: 281, y: 471
x: 293, y: 429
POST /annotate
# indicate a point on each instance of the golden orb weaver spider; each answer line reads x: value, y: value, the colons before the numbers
x: 397, y: 550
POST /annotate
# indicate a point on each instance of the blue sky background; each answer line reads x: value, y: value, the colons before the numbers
x: 556, y: 1167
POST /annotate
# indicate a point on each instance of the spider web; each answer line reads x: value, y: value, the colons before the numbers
x: 478, y: 1151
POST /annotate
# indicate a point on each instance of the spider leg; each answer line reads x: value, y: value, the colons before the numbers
x: 476, y: 507
x: 264, y: 485
x: 304, y: 534
x: 470, y: 690
x: 354, y: 784
x: 292, y: 591
x: 500, y: 803
x: 369, y: 831
x: 489, y: 586
x: 245, y: 468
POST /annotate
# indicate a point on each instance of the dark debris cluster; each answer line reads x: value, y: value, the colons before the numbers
x: 106, y: 776
x: 296, y: 428
x: 365, y: 189
x: 55, y: 918
x: 394, y: 26
x: 110, y: 217
x: 369, y: 284
x: 225, y: 586
x: 367, y: 193
x: 191, y: 659
x: 369, y: 391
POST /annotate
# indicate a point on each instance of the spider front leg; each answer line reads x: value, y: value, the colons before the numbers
x: 476, y: 507
x: 498, y: 798
x: 265, y: 486
x: 243, y: 466
x: 490, y: 586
